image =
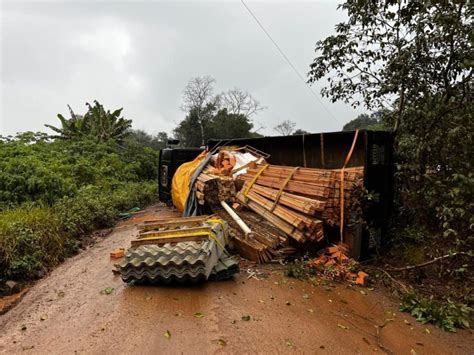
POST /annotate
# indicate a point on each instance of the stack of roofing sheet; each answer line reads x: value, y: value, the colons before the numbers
x: 189, y: 260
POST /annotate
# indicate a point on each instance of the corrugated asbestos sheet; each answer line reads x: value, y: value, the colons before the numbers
x: 188, y: 261
x: 179, y: 262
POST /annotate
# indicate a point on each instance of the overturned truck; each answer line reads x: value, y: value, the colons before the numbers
x: 300, y: 192
x: 269, y: 199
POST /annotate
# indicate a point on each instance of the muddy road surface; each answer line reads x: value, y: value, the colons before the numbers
x: 66, y: 312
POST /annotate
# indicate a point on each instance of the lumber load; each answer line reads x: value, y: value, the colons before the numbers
x: 299, y: 201
x: 266, y: 244
x: 212, y: 188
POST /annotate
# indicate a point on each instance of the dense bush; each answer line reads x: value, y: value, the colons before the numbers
x: 54, y: 192
x: 34, y: 169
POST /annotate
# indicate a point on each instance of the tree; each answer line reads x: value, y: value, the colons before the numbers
x: 96, y: 123
x: 145, y: 139
x: 105, y: 124
x: 239, y: 102
x: 285, y: 128
x: 376, y: 121
x: 413, y: 58
x: 230, y: 125
x: 197, y: 95
x: 226, y: 115
x: 393, y: 54
x: 299, y: 131
x: 219, y: 124
x: 70, y: 128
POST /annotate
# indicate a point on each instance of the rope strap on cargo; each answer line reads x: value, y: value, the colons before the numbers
x: 213, y: 236
x: 249, y: 186
x: 280, y: 192
x: 348, y: 158
x: 223, y: 225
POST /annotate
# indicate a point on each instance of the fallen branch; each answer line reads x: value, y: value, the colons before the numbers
x: 401, y: 285
x: 426, y: 263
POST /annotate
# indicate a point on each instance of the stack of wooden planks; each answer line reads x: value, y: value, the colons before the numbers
x: 207, y: 188
x: 212, y: 188
x: 298, y: 201
x: 267, y: 243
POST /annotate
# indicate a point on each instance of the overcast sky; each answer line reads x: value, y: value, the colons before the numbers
x: 139, y: 56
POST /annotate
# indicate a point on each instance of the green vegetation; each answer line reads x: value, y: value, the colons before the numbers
x: 215, y: 123
x: 53, y: 192
x: 376, y: 121
x: 226, y: 115
x: 414, y: 60
x: 448, y: 316
x: 97, y: 123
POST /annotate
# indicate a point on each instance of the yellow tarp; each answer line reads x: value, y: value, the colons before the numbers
x: 181, y: 180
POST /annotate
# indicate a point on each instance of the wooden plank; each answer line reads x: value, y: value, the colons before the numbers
x: 298, y: 187
x: 174, y: 232
x: 298, y: 220
x: 174, y: 239
x: 284, y: 226
x: 304, y: 204
x: 183, y: 220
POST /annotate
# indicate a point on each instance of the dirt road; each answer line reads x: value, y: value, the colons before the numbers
x: 66, y: 313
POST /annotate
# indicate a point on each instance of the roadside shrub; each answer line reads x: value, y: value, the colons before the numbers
x: 54, y: 192
x: 30, y: 238
x: 35, y: 169
x: 94, y: 207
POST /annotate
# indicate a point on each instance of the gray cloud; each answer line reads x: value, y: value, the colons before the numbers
x: 140, y: 56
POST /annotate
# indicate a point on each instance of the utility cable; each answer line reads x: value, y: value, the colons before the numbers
x: 288, y: 61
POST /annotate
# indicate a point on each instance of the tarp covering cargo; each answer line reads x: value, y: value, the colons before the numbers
x: 182, y: 179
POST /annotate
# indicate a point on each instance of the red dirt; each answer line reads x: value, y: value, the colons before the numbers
x: 65, y: 312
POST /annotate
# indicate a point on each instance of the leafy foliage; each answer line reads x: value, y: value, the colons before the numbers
x: 33, y: 237
x: 374, y: 121
x: 35, y: 169
x: 141, y: 138
x: 98, y: 123
x: 413, y: 59
x: 54, y: 192
x: 215, y: 123
x: 446, y: 316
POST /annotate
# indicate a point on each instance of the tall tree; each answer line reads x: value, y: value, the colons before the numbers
x: 239, y: 102
x: 218, y: 124
x: 197, y: 95
x: 230, y: 125
x: 414, y: 58
x: 393, y: 54
x: 285, y: 128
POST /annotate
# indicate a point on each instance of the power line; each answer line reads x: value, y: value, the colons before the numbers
x: 288, y: 61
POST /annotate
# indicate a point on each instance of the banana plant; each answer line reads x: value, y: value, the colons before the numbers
x: 97, y: 123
